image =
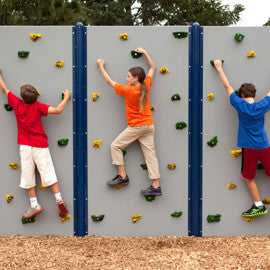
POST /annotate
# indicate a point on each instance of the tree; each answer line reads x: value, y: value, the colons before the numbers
x: 267, y: 23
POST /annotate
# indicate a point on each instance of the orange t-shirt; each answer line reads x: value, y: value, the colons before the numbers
x: 131, y: 95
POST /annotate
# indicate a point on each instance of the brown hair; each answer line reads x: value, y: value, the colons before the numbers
x: 247, y: 90
x: 29, y: 94
x: 140, y: 73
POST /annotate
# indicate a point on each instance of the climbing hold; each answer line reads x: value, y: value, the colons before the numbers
x: 239, y: 37
x: 180, y: 125
x: 62, y: 142
x: 124, y: 152
x: 23, y: 54
x: 41, y: 187
x: 231, y: 185
x: 266, y: 201
x: 136, y: 218
x: 118, y: 187
x: 9, y: 198
x: 236, y: 91
x: 124, y: 36
x: 13, y: 166
x: 135, y: 54
x: 213, y: 218
x: 59, y: 63
x: 150, y: 198
x: 171, y: 166
x: 97, y: 218
x: 65, y: 218
x: 164, y: 70
x: 144, y: 166
x: 175, y: 97
x: 180, y: 34
x: 35, y: 37
x: 38, y: 93
x: 236, y: 153
x: 176, y: 214
x: 210, y: 96
x: 8, y: 108
x: 213, y: 64
x: 251, y: 54
x: 152, y: 108
x: 213, y: 142
x: 28, y: 220
x: 95, y: 96
x: 248, y: 219
x: 260, y: 166
x: 97, y: 144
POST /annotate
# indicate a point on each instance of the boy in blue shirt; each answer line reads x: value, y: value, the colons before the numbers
x: 252, y: 137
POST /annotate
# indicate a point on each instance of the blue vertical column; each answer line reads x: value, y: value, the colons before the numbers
x: 195, y: 130
x: 80, y: 129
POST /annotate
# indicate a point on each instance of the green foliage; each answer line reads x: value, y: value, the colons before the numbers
x: 267, y: 23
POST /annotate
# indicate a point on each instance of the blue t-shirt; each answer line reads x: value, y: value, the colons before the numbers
x: 251, y: 133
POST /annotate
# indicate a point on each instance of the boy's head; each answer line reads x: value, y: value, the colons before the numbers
x: 247, y: 90
x: 29, y: 94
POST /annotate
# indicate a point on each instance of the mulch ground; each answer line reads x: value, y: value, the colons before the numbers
x: 161, y: 252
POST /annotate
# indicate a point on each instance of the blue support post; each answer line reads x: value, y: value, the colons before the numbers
x: 80, y: 129
x: 195, y: 130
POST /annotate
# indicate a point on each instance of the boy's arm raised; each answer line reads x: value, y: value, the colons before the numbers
x: 3, y: 85
x: 223, y: 78
x: 60, y: 107
x: 151, y: 64
x: 100, y: 63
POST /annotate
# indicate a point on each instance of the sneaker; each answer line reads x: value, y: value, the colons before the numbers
x: 118, y: 180
x: 62, y: 208
x: 152, y: 191
x: 255, y: 211
x: 32, y: 212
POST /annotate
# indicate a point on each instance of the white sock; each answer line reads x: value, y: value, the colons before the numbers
x: 258, y: 204
x: 33, y: 202
x: 58, y: 197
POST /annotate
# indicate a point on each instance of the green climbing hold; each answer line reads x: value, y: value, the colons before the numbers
x: 213, y: 218
x: 62, y: 142
x: 177, y: 214
x: 180, y: 34
x: 212, y: 62
x: 260, y: 166
x: 124, y: 152
x: 135, y: 54
x: 28, y: 220
x: 144, y: 166
x: 150, y: 198
x: 97, y: 218
x: 23, y: 54
x: 213, y: 142
x: 239, y: 37
x: 180, y: 125
x: 175, y: 97
x: 8, y: 108
x: 236, y: 91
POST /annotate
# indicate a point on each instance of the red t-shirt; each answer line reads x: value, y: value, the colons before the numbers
x: 30, y: 129
x: 131, y: 95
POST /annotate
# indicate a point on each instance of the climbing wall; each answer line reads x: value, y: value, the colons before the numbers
x: 220, y: 119
x: 37, y: 69
x: 106, y: 119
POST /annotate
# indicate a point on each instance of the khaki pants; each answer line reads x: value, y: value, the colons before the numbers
x: 145, y: 136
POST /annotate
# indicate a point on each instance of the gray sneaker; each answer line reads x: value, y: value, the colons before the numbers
x: 151, y: 191
x: 32, y: 212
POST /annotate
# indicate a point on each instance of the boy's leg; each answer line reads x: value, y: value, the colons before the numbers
x: 254, y: 191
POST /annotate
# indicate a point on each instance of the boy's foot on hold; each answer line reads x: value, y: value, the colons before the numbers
x: 32, y: 212
x: 118, y: 181
x: 62, y: 208
x: 152, y: 191
x: 255, y: 211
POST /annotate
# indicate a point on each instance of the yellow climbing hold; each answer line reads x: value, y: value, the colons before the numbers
x: 35, y: 37
x: 171, y: 166
x: 210, y: 96
x: 164, y: 70
x: 248, y: 219
x: 136, y: 218
x: 118, y: 187
x: 266, y: 200
x: 38, y: 93
x: 152, y: 108
x: 124, y: 36
x: 41, y: 187
x: 59, y: 64
x: 231, y: 185
x: 13, y: 166
x: 97, y: 143
x: 251, y: 54
x: 95, y: 96
x: 236, y: 153
x: 64, y: 219
x: 9, y: 198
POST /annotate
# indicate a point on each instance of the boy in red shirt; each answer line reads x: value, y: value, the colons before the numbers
x: 34, y: 150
